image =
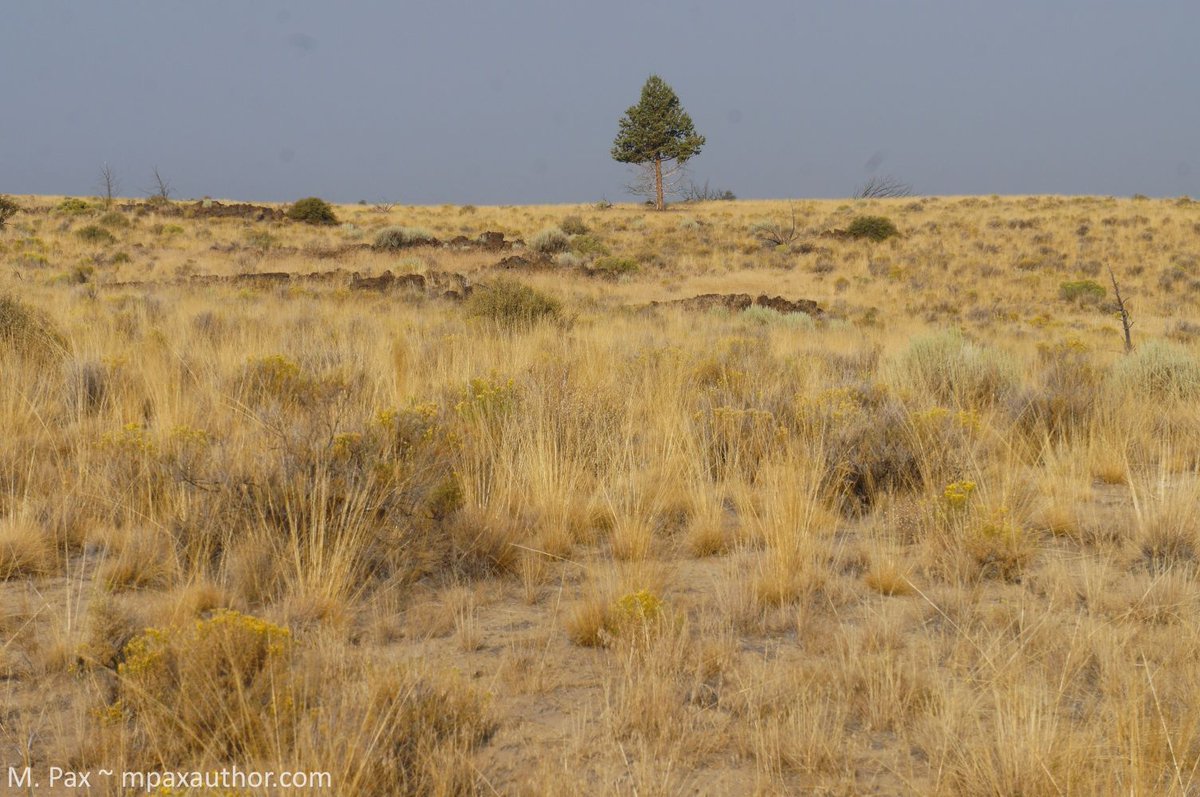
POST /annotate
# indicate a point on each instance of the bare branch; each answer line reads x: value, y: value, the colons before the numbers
x: 702, y: 193
x: 160, y: 193
x: 776, y: 232
x: 883, y: 186
x: 109, y: 184
x: 641, y: 180
x: 1123, y: 310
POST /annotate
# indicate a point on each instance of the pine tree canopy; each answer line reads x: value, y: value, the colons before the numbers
x: 657, y: 128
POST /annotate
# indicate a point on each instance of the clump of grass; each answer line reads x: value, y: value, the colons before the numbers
x: 27, y: 331
x: 25, y: 549
x: 887, y: 576
x: 872, y: 228
x: 615, y: 267
x: 512, y: 304
x: 312, y: 210
x: 588, y: 246
x: 597, y: 622
x: 402, y: 237
x: 400, y: 731
x: 550, y: 241
x: 999, y: 545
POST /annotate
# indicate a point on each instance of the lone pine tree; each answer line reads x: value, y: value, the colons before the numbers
x: 656, y: 130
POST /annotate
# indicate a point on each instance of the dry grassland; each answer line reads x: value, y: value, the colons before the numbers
x: 943, y: 539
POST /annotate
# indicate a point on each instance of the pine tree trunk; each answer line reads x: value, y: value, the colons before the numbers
x: 658, y: 188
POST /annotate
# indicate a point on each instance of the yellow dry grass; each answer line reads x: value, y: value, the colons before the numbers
x: 943, y: 540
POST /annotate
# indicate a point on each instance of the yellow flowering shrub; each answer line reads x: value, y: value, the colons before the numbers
x: 218, y: 683
x: 958, y: 493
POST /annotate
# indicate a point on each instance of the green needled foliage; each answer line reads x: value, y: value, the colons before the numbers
x: 657, y: 129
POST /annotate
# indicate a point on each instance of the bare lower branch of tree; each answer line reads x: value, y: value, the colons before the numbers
x: 883, y: 186
x: 777, y: 232
x: 383, y: 206
x: 1123, y: 311
x: 641, y: 180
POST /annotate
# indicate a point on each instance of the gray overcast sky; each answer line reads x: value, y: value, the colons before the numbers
x: 517, y: 102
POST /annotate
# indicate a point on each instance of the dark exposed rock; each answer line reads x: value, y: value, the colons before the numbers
x: 741, y: 301
x: 263, y: 278
x: 386, y: 281
x: 782, y: 305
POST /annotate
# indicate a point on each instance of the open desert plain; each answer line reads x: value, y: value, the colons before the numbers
x: 485, y: 500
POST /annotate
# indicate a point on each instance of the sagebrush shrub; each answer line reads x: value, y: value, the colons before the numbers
x: 573, y: 225
x: 401, y: 237
x: 550, y: 241
x: 956, y: 372
x: 95, y: 234
x: 512, y: 304
x: 312, y: 210
x: 114, y: 219
x: 1157, y: 369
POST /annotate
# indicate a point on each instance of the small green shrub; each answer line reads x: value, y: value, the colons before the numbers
x: 401, y: 237
x: 73, y: 206
x: 872, y: 228
x: 1082, y: 292
x: 615, y: 266
x: 512, y: 304
x: 550, y: 241
x: 95, y: 234
x: 8, y: 209
x: 573, y: 225
x: 312, y: 210
x: 27, y: 331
